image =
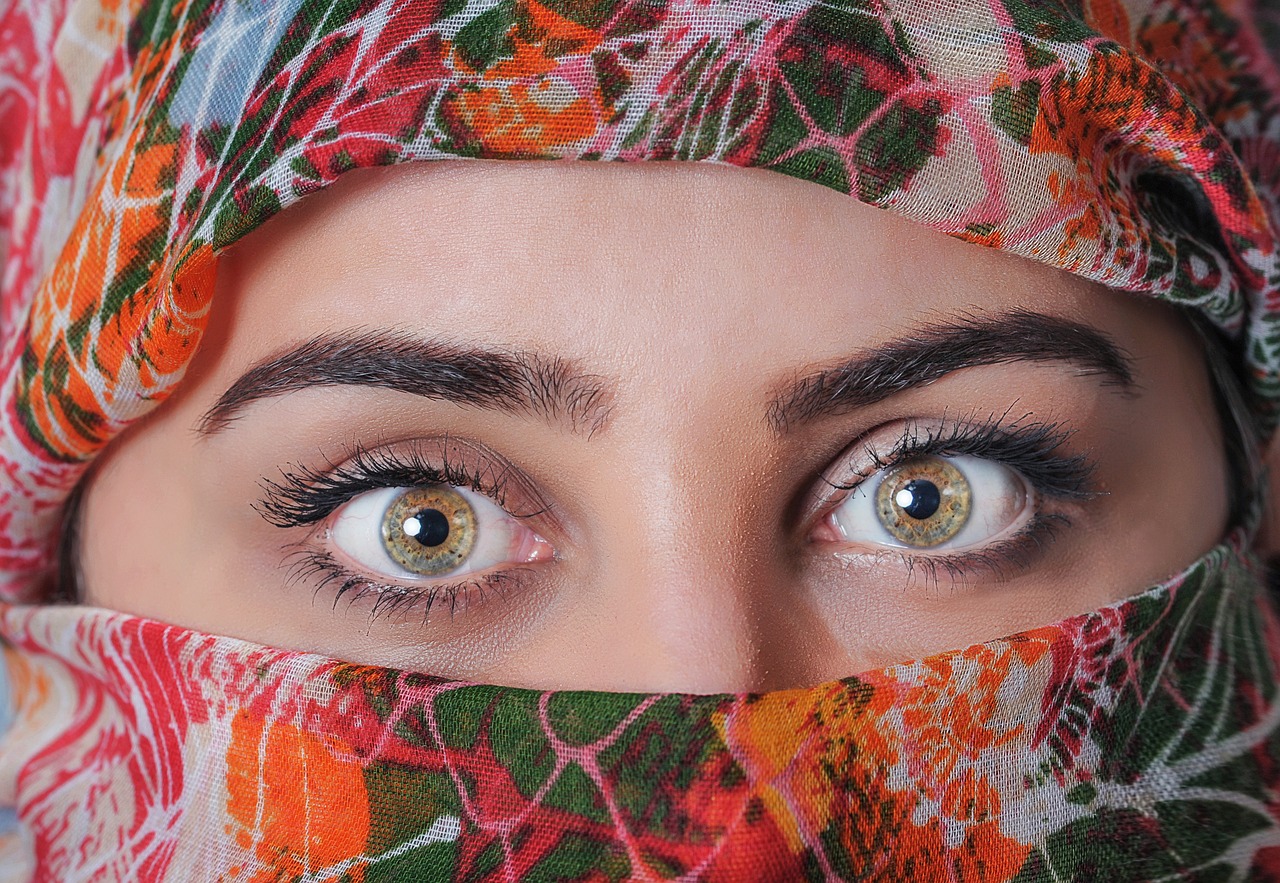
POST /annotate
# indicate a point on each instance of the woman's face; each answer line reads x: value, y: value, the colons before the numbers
x: 713, y: 430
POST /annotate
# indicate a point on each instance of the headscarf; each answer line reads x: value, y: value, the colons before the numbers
x: 1136, y: 144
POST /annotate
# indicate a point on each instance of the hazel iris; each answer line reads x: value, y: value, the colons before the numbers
x: 924, y: 502
x: 429, y: 530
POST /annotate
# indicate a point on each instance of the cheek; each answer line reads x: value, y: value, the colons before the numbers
x: 1170, y: 483
x: 126, y: 543
x: 1186, y: 504
x: 135, y: 538
x: 1198, y: 517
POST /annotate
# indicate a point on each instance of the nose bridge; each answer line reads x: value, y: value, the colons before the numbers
x: 684, y: 627
x: 684, y: 567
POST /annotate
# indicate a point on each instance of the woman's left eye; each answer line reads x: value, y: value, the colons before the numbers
x: 431, y: 531
x: 934, y: 503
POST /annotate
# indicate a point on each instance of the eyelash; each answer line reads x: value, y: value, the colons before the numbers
x: 308, y: 496
x: 1027, y: 447
x: 1032, y: 449
x: 389, y: 598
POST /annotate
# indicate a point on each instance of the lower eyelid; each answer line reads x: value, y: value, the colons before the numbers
x: 326, y: 575
x: 1019, y: 552
x: 1000, y: 561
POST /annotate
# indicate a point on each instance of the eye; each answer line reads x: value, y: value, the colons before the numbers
x: 934, y: 502
x: 430, y: 531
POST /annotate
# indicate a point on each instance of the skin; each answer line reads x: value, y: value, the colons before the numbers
x: 687, y: 552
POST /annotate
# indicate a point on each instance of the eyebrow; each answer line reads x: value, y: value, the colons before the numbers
x: 936, y: 350
x: 514, y: 382
x: 555, y: 389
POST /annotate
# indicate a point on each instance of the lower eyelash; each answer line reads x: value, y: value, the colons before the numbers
x: 1001, y: 559
x: 327, y: 574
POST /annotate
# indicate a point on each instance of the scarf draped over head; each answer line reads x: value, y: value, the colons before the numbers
x: 1134, y: 143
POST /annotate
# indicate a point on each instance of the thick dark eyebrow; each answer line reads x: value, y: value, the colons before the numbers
x: 515, y: 382
x: 934, y: 351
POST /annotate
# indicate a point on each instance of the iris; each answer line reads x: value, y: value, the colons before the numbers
x: 924, y: 502
x: 429, y: 530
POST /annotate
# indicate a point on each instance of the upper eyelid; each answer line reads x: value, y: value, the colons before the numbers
x: 304, y: 495
x: 1056, y: 475
x: 1020, y: 442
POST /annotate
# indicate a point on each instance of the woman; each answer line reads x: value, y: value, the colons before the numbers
x: 680, y: 430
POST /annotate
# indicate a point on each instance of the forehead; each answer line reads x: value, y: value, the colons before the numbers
x: 676, y: 265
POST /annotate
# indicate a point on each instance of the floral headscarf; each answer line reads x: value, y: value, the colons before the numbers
x: 1135, y: 143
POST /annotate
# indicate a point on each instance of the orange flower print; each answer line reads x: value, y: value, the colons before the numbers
x: 871, y: 828
x: 1109, y: 18
x: 780, y: 733
x: 519, y: 119
x: 111, y: 340
x: 297, y: 807
x: 522, y: 107
x: 1199, y: 65
x: 1118, y: 108
x: 954, y: 710
x: 542, y: 39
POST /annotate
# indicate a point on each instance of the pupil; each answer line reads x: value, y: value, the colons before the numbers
x: 429, y: 527
x: 919, y: 498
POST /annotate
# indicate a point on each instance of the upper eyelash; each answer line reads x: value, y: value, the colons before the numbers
x: 305, y: 495
x: 1031, y: 448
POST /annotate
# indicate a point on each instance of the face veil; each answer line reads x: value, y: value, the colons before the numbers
x: 1135, y: 742
x: 1133, y: 144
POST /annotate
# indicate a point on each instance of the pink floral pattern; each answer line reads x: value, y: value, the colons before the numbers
x: 1134, y: 143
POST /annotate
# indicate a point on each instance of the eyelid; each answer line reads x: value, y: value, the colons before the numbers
x: 1034, y: 448
x: 326, y: 573
x: 305, y: 495
x: 856, y: 463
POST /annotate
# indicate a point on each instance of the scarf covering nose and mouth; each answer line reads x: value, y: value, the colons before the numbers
x: 1134, y: 143
x: 1137, y: 742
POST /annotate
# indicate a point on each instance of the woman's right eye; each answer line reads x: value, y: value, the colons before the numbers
x: 433, y: 531
x: 935, y: 503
